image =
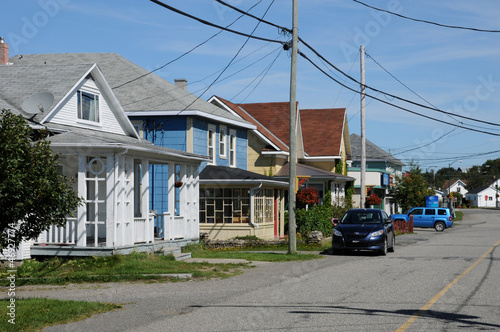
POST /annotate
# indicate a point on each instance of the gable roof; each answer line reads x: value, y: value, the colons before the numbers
x: 373, y: 152
x: 259, y: 127
x: 478, y: 190
x: 446, y: 183
x: 322, y: 131
x: 137, y: 89
x: 18, y: 82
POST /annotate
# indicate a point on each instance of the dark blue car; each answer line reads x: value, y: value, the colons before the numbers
x: 364, y: 229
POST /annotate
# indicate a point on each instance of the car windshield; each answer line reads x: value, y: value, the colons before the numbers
x: 362, y: 217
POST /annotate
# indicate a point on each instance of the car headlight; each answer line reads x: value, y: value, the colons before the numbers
x: 337, y: 233
x: 377, y: 233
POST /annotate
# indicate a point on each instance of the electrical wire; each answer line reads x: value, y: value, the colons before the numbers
x: 353, y: 79
x: 394, y: 105
x: 263, y: 74
x: 425, y: 21
x: 232, y: 60
x: 179, y: 57
x: 214, y: 25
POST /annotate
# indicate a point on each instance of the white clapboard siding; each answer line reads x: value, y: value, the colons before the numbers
x: 67, y: 114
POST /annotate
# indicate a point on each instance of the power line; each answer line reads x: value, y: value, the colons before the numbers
x: 425, y: 21
x: 394, y: 105
x: 179, y: 57
x: 230, y: 62
x: 263, y: 74
x: 353, y: 79
x: 215, y: 25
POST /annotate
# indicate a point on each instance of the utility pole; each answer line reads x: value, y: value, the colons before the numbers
x: 292, y: 238
x: 362, y: 183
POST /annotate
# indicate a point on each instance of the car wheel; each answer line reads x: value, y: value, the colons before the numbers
x: 439, y: 226
x: 391, y: 249
x: 384, y: 250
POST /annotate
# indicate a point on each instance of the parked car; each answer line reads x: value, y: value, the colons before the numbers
x: 439, y: 218
x: 364, y: 229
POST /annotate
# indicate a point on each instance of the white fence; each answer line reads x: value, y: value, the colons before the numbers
x: 170, y: 227
x: 60, y: 234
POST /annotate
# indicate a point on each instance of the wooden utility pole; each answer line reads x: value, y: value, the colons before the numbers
x: 292, y: 238
x: 363, y: 137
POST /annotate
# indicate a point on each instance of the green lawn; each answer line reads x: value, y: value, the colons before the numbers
x: 34, y: 314
x: 136, y: 266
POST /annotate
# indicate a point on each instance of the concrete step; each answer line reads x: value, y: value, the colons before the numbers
x: 177, y: 253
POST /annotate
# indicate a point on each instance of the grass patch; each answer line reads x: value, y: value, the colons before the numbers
x: 459, y: 215
x: 255, y: 253
x: 136, y: 266
x: 34, y: 314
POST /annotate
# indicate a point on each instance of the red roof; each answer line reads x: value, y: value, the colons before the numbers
x: 322, y: 131
x: 271, y: 119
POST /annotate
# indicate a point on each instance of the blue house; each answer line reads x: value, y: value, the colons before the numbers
x: 232, y: 202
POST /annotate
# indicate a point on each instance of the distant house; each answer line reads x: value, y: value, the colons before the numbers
x: 100, y: 148
x: 381, y: 170
x: 322, y: 143
x: 485, y: 196
x: 457, y: 186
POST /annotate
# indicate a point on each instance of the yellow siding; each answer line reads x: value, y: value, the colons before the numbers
x: 258, y: 163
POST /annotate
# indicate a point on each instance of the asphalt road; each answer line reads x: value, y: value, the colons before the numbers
x: 445, y: 281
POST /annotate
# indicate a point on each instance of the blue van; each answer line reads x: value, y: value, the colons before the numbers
x: 439, y: 218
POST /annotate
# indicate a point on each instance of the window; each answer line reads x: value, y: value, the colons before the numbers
x: 264, y: 206
x: 430, y: 212
x: 224, y: 205
x: 222, y: 141
x: 441, y: 212
x: 417, y: 212
x: 211, y: 144
x: 232, y: 148
x: 88, y: 106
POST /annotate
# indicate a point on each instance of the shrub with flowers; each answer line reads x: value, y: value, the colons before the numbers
x: 308, y: 196
x: 373, y: 199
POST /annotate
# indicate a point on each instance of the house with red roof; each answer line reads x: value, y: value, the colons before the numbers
x: 323, y: 146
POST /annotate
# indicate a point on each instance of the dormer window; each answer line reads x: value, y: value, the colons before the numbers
x: 88, y: 106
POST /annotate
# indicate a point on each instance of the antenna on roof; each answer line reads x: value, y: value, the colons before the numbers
x: 38, y: 103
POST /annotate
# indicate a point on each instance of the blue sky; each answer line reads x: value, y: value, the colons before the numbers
x: 454, y: 70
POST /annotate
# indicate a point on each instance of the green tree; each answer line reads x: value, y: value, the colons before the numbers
x: 410, y: 189
x: 33, y: 193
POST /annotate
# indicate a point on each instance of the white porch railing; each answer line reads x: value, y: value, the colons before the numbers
x: 143, y: 229
x: 170, y: 227
x: 60, y: 234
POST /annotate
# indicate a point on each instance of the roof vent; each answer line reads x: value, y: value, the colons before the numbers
x: 181, y: 83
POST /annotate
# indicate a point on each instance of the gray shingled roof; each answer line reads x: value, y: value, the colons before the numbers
x: 373, y: 152
x: 148, y: 93
x: 19, y: 82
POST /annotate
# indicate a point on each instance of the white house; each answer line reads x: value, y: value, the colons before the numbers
x: 98, y: 147
x: 457, y: 186
x: 485, y: 196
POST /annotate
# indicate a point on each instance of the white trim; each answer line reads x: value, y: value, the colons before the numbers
x: 212, y: 129
x: 232, y: 141
x: 104, y: 89
x: 322, y: 158
x: 223, y: 144
x: 212, y: 117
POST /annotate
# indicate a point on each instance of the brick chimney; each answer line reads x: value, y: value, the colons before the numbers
x: 181, y: 83
x: 4, y: 52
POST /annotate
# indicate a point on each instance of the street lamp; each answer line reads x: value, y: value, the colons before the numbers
x: 450, y: 205
x: 496, y: 186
